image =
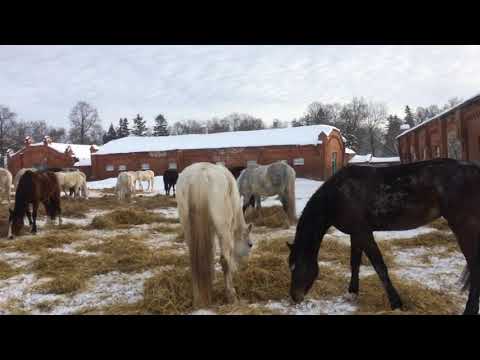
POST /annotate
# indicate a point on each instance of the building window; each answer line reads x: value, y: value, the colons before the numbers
x: 109, y: 167
x: 334, y: 163
x: 251, y: 162
x: 437, y: 151
x: 299, y: 161
x: 122, y: 167
x: 425, y: 154
x: 172, y: 165
x: 145, y: 166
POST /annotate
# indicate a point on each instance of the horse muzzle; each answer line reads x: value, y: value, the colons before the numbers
x: 297, y: 296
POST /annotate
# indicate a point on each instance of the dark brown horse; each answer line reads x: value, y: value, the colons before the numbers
x: 361, y: 199
x: 34, y: 188
x: 170, y: 177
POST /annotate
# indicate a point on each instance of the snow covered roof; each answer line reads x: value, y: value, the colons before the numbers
x: 357, y: 159
x: 302, y: 135
x: 443, y: 113
x: 83, y: 162
x: 349, y: 151
x: 80, y: 151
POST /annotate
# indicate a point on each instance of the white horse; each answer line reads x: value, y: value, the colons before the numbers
x: 6, y: 183
x: 147, y: 175
x: 75, y: 180
x: 19, y: 174
x: 125, y: 185
x: 209, y: 205
x: 277, y: 178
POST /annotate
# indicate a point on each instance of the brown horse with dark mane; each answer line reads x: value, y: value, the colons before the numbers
x: 34, y: 188
x: 361, y: 199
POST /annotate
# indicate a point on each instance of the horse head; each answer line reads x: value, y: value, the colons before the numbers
x: 15, y: 224
x: 304, y: 272
x: 244, y: 244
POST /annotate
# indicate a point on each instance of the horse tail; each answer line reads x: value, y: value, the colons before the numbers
x: 201, y: 244
x: 292, y: 209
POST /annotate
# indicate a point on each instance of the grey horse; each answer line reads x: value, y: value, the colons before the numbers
x: 277, y: 178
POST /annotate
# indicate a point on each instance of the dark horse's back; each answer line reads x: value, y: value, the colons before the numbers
x: 401, y: 196
x: 42, y: 185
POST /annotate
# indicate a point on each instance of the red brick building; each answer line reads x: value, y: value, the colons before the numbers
x: 49, y: 154
x: 455, y: 133
x: 313, y: 151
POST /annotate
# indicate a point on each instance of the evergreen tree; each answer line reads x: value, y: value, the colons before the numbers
x: 161, y: 126
x: 110, y: 135
x: 139, y: 126
x: 123, y: 130
x: 409, y: 119
x: 393, y: 130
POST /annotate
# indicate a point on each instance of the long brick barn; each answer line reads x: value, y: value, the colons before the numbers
x: 315, y: 152
x: 49, y: 154
x: 455, y: 133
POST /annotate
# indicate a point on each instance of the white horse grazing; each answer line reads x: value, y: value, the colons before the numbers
x: 6, y: 183
x: 209, y: 205
x: 125, y: 185
x: 147, y: 175
x: 19, y: 174
x: 277, y: 178
x: 75, y: 180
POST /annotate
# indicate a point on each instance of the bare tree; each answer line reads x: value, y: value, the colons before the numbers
x: 376, y: 116
x: 85, y: 124
x: 7, y: 126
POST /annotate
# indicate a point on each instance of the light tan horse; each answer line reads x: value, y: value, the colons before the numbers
x: 209, y: 206
x: 147, y: 175
x: 125, y: 185
x: 6, y: 183
x: 75, y: 180
x: 19, y: 174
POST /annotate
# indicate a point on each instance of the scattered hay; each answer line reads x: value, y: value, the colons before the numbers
x: 38, y: 243
x: 246, y: 309
x: 155, y: 202
x: 6, y: 270
x: 277, y: 245
x: 75, y: 208
x: 271, y: 217
x: 433, y: 238
x: 440, y: 224
x: 165, y: 229
x: 127, y: 218
x: 417, y: 299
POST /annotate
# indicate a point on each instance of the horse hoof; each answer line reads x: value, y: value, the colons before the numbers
x: 397, y: 305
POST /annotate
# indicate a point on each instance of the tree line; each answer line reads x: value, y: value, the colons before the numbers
x: 366, y: 125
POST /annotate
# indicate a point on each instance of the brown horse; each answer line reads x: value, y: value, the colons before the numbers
x: 34, y: 188
x: 361, y: 199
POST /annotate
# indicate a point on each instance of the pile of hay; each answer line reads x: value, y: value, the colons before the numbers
x: 272, y: 217
x: 126, y: 218
x: 6, y: 270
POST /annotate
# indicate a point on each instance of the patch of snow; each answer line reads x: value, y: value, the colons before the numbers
x: 336, y: 306
x: 203, y: 312
x: 17, y: 259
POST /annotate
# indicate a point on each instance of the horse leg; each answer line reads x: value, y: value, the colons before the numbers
x: 469, y: 241
x: 34, y: 217
x: 355, y: 261
x: 258, y: 201
x: 375, y: 256
x: 228, y: 266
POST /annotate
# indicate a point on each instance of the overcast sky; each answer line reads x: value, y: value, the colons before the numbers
x: 200, y: 82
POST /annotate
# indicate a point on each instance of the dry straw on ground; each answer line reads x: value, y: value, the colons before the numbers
x: 128, y: 217
x: 271, y: 217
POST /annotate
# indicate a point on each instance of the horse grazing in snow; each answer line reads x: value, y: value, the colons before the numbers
x: 125, y: 187
x: 277, y: 178
x: 34, y: 188
x: 208, y: 205
x: 73, y: 180
x: 361, y: 199
x: 6, y: 183
x: 147, y: 175
x: 170, y: 177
